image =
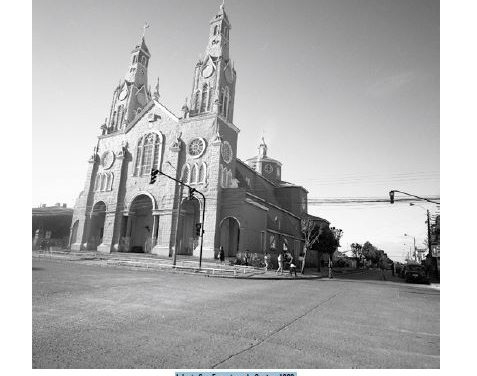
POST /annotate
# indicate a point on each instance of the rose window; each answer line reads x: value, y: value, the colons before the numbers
x: 196, y: 147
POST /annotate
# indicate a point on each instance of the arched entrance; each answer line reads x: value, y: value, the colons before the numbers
x: 140, y: 215
x: 98, y: 215
x: 230, y: 236
x: 74, y: 233
x: 190, y: 216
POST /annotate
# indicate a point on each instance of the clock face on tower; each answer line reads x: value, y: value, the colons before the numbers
x: 208, y: 71
x: 123, y: 94
x: 268, y: 168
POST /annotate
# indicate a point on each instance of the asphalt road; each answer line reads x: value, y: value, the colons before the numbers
x: 85, y: 316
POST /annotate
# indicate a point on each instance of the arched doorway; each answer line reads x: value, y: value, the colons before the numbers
x: 140, y: 215
x: 230, y: 236
x: 98, y: 215
x: 74, y: 233
x: 190, y: 216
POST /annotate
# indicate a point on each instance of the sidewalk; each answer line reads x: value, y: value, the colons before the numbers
x: 184, y: 264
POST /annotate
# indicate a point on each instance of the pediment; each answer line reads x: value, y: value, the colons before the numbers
x: 155, y: 112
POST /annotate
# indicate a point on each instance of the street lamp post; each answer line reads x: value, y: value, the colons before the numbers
x: 428, y: 226
x: 415, y: 255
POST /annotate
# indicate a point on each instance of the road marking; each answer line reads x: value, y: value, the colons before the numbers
x: 259, y: 342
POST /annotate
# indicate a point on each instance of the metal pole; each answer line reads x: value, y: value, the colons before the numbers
x: 415, y: 253
x: 179, y: 206
x: 182, y: 184
x: 202, y: 231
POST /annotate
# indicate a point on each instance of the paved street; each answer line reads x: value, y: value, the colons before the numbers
x: 86, y: 316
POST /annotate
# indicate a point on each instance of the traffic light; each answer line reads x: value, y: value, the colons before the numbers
x: 198, y: 227
x: 191, y: 193
x: 154, y: 173
x: 391, y: 196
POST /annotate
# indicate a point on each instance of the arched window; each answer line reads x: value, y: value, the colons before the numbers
x: 185, y: 174
x: 96, y: 183
x: 203, y: 103
x: 134, y: 59
x: 148, y: 154
x: 108, y: 181
x: 209, y: 101
x: 197, y: 100
x: 216, y: 29
x: 113, y: 119
x: 226, y: 102
x: 138, y: 157
x: 103, y: 182
x: 109, y: 185
x: 193, y: 174
x: 224, y: 178
x: 202, y: 172
x: 143, y: 60
x: 120, y: 115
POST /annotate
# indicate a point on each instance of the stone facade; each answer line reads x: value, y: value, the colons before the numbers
x: 247, y: 206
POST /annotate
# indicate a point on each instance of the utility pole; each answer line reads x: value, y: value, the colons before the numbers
x: 429, y: 233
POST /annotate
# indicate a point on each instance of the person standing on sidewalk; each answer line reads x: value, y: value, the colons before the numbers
x: 280, y: 263
x: 221, y: 254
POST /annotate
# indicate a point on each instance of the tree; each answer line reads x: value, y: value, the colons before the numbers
x: 328, y: 242
x: 311, y: 230
x: 356, y: 249
x: 370, y: 252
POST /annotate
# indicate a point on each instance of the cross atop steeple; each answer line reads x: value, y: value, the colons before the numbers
x: 146, y: 26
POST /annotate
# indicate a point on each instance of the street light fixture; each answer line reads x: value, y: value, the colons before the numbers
x: 415, y: 253
x: 428, y: 226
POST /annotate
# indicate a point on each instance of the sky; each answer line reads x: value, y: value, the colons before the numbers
x: 346, y: 94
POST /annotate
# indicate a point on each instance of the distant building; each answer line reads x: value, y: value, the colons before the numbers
x: 248, y: 205
x: 52, y: 222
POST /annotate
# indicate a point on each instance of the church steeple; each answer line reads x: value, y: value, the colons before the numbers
x: 132, y: 94
x: 213, y: 88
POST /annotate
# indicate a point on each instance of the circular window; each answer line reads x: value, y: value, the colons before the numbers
x: 107, y: 160
x: 268, y: 168
x: 196, y: 147
x: 227, y: 152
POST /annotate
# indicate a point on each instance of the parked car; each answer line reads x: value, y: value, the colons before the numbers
x: 416, y: 273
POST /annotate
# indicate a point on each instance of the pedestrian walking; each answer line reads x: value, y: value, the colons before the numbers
x: 221, y: 254
x: 280, y: 263
x: 330, y: 269
x: 266, y: 258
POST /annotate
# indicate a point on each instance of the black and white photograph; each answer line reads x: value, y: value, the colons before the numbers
x: 239, y: 186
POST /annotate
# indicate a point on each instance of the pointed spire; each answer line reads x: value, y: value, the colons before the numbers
x: 156, y: 90
x: 185, y: 108
x: 146, y: 26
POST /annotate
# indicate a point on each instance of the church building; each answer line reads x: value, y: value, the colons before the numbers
x: 247, y: 204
